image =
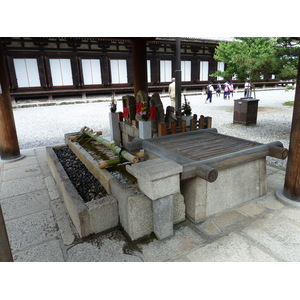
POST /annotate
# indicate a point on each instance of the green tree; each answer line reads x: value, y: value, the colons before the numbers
x: 287, y: 53
x: 247, y: 58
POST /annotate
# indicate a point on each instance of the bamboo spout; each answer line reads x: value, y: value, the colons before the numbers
x: 118, y: 150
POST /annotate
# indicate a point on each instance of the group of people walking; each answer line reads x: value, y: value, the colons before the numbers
x: 228, y: 90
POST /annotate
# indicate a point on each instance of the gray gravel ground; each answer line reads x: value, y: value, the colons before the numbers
x: 46, y: 125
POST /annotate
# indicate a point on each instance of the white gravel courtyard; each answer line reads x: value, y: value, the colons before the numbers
x: 46, y: 125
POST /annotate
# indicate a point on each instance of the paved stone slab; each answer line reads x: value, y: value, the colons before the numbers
x: 46, y: 252
x: 291, y: 213
x: 229, y: 219
x: 25, y: 204
x: 106, y: 248
x: 21, y: 172
x: 21, y: 186
x: 270, y: 202
x: 65, y: 225
x: 278, y: 235
x: 26, y: 161
x: 210, y: 228
x: 184, y: 239
x: 31, y: 230
x: 251, y: 209
x: 222, y: 223
x: 231, y: 248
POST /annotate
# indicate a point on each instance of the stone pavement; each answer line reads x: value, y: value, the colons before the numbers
x: 39, y: 229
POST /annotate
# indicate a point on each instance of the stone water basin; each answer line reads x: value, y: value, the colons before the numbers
x: 125, y: 205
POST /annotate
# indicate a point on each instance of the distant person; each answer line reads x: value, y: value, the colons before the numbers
x: 247, y: 89
x: 210, y: 90
x: 218, y: 90
x: 172, y: 92
x: 231, y: 90
x: 226, y: 90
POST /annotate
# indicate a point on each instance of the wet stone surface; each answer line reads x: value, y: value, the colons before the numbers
x: 85, y: 183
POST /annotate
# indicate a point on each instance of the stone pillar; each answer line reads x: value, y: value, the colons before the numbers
x: 163, y: 217
x: 115, y: 134
x: 145, y: 130
x: 159, y: 180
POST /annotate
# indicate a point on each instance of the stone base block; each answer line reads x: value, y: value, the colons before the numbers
x: 233, y: 187
x: 134, y: 209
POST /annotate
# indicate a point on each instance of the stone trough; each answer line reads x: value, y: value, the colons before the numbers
x: 125, y: 204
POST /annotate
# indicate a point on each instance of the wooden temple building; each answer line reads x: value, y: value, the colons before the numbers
x: 49, y: 67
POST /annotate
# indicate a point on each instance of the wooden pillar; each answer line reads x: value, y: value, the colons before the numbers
x: 9, y: 146
x: 5, y: 251
x: 139, y: 61
x: 292, y: 176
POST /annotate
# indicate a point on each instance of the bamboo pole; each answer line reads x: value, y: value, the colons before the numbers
x: 114, y: 161
x: 131, y: 158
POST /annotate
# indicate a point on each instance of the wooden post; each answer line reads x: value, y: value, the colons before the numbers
x: 291, y: 188
x: 208, y: 122
x: 5, y: 252
x: 183, y: 126
x: 162, y: 129
x: 201, y: 122
x: 192, y: 125
x: 9, y: 145
x: 139, y: 61
x: 173, y: 127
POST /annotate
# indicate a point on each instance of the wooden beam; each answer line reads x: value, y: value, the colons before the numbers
x: 207, y: 168
x: 9, y: 146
